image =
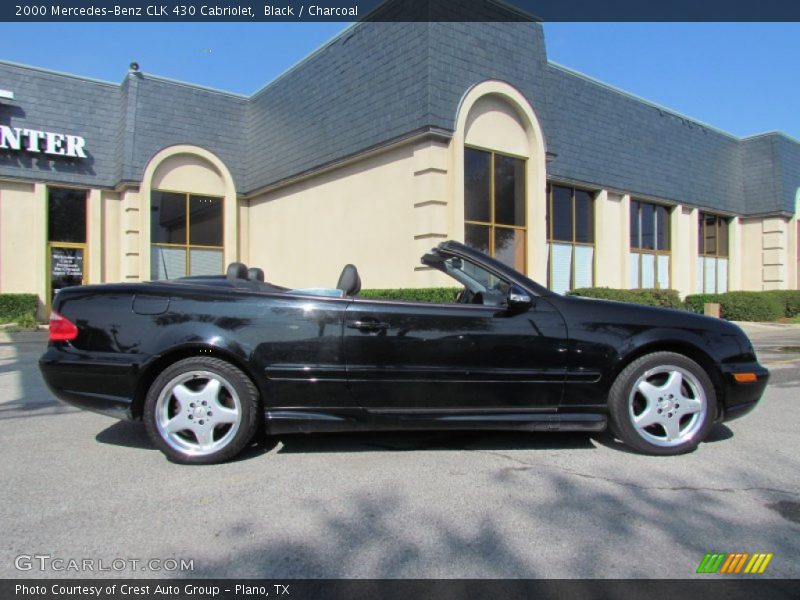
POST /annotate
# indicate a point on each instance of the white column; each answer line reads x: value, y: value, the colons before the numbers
x: 625, y: 242
x: 774, y: 253
x: 611, y: 240
x: 94, y: 237
x: 433, y: 215
x: 244, y: 231
x: 38, y: 237
x: 735, y: 263
x: 112, y: 236
x: 683, y: 244
x: 135, y: 253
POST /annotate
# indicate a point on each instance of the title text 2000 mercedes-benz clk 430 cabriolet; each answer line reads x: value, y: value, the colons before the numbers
x: 207, y: 362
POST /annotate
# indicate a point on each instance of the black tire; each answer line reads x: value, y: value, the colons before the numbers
x: 656, y: 400
x: 220, y: 422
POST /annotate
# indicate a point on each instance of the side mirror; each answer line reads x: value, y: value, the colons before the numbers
x: 519, y: 299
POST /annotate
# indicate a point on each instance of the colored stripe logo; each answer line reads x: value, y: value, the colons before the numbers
x: 734, y: 563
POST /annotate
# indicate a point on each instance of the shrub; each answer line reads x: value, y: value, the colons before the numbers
x: 792, y: 303
x: 14, y: 307
x: 650, y: 297
x: 789, y: 299
x: 437, y: 295
x: 27, y: 323
x: 697, y: 302
x: 751, y: 306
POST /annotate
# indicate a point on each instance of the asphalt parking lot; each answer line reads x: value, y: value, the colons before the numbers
x: 81, y: 486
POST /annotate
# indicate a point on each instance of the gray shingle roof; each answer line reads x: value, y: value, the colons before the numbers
x: 605, y: 137
x: 378, y: 82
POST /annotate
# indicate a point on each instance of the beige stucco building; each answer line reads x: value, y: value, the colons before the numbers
x: 574, y: 182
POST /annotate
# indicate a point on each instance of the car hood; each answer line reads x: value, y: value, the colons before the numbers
x: 647, y: 316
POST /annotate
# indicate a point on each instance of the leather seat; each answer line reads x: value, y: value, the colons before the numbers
x: 236, y: 271
x: 255, y: 274
x: 349, y: 281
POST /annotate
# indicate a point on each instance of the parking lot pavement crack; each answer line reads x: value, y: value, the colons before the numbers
x: 529, y: 466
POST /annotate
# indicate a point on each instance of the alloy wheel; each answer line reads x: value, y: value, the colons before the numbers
x: 198, y: 413
x: 667, y: 406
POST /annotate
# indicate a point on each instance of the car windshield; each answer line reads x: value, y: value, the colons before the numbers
x: 473, y: 277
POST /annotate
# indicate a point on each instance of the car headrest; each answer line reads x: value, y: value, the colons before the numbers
x: 349, y: 281
x: 236, y: 270
x: 255, y: 274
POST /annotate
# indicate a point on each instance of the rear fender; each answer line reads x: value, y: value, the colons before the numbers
x: 232, y: 353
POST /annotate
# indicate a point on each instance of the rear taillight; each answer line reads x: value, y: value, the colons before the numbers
x: 61, y: 329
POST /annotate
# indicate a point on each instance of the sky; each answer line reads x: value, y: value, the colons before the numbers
x: 738, y: 77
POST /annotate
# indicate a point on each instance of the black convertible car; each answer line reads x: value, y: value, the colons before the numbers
x: 209, y: 362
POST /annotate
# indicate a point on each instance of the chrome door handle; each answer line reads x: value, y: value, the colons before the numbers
x: 367, y: 325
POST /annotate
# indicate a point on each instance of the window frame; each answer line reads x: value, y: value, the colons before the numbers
x: 188, y: 246
x: 656, y: 252
x: 493, y: 224
x: 83, y: 246
x: 720, y: 221
x: 573, y: 243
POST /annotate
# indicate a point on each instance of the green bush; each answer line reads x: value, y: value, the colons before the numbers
x: 437, y: 295
x: 27, y: 323
x: 793, y: 303
x: 14, y: 307
x: 789, y: 299
x: 697, y: 302
x: 751, y: 306
x: 649, y: 297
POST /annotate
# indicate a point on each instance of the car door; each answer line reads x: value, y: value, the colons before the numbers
x: 299, y: 351
x: 453, y: 356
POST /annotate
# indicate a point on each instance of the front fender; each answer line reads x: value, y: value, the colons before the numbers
x: 710, y: 347
x: 605, y: 336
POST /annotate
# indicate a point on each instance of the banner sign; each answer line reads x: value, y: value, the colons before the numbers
x: 394, y: 589
x: 46, y: 142
x: 398, y: 10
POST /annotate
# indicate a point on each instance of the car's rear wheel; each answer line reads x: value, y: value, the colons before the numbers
x: 201, y: 410
x: 662, y: 403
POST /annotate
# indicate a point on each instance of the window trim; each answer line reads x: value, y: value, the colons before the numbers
x: 49, y: 245
x: 720, y: 222
x: 492, y: 225
x: 549, y: 234
x: 188, y: 246
x: 654, y: 251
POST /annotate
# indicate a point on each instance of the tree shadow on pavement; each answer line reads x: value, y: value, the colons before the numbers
x: 580, y: 526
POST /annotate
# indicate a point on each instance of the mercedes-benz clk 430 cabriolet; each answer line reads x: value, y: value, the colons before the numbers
x: 210, y: 362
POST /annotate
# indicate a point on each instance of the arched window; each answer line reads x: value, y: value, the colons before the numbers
x: 494, y: 205
x: 190, y: 213
x: 500, y: 165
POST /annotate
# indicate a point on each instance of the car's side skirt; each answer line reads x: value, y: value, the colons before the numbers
x: 280, y: 421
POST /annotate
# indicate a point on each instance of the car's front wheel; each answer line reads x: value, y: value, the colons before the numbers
x: 662, y: 403
x: 201, y: 410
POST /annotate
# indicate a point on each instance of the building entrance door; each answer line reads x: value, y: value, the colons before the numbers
x: 66, y: 266
x: 66, y: 239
